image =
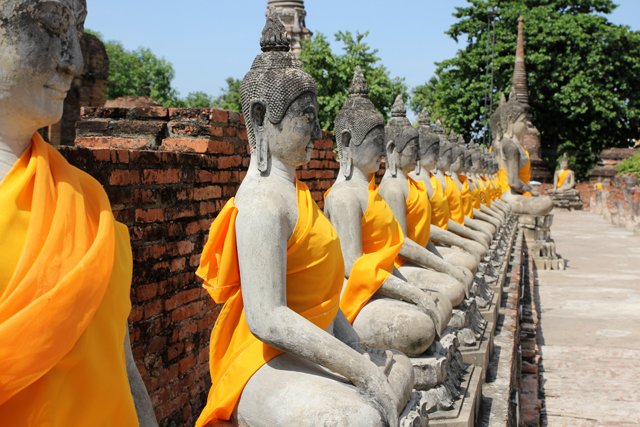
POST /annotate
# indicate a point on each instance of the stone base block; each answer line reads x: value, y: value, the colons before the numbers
x: 548, y: 264
x: 465, y: 410
x: 480, y: 354
x: 491, y: 313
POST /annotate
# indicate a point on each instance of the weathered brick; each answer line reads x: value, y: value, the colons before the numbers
x: 112, y: 141
x: 152, y: 309
x: 218, y: 116
x: 149, y: 215
x: 147, y: 113
x: 187, y: 363
x: 229, y: 162
x: 187, y: 311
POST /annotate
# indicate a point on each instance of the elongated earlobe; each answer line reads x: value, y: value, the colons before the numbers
x: 263, y: 155
x: 418, y: 167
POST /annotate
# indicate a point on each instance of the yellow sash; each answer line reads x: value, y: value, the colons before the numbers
x: 315, y: 274
x: 524, y: 174
x: 439, y: 205
x: 418, y: 215
x: 561, y: 177
x: 475, y: 195
x: 382, y: 240
x: 455, y: 200
x: 487, y: 190
x: 65, y: 278
x: 467, y: 199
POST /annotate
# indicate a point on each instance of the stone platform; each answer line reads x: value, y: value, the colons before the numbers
x: 589, y: 334
x: 480, y: 354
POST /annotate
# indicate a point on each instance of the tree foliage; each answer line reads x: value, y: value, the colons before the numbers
x: 333, y: 74
x: 583, y: 71
x: 630, y: 165
x: 230, y: 97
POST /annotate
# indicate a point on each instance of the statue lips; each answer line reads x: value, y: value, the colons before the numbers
x: 57, y: 92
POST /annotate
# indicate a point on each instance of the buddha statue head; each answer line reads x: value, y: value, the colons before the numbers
x: 446, y: 149
x: 359, y: 130
x: 476, y: 158
x: 458, y: 155
x: 39, y: 57
x: 401, y: 140
x: 564, y: 163
x: 468, y: 157
x: 429, y: 143
x: 279, y: 102
x: 513, y: 118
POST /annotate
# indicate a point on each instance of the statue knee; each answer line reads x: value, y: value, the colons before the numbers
x: 388, y: 325
x: 335, y: 412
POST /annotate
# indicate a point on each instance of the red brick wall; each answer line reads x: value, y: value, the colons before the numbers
x: 168, y: 172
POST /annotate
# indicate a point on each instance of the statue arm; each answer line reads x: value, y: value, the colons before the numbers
x: 512, y: 159
x: 466, y: 232
x: 345, y: 213
x: 416, y: 253
x: 141, y: 400
x: 262, y: 236
x: 432, y: 248
x: 396, y: 199
x: 449, y: 238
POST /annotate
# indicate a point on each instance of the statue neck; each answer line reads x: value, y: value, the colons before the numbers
x: 423, y: 169
x: 12, y: 145
x: 276, y: 169
x: 353, y: 174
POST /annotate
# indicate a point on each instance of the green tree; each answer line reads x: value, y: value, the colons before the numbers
x: 198, y: 100
x: 230, y: 97
x: 583, y: 71
x: 139, y: 73
x: 333, y: 74
x: 630, y: 165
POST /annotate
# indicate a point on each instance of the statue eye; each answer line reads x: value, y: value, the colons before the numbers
x: 54, y: 17
x: 80, y: 23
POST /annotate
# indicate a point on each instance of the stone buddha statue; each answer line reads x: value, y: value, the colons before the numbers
x: 64, y: 284
x: 485, y: 193
x: 457, y: 172
x: 429, y: 146
x: 375, y: 300
x: 457, y: 223
x: 515, y: 170
x: 419, y: 260
x: 564, y: 180
x: 282, y: 351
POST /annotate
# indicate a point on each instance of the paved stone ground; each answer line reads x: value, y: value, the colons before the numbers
x: 590, y: 325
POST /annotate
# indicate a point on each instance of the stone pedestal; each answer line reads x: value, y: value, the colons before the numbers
x: 465, y: 410
x: 537, y: 236
x: 569, y: 200
x: 481, y: 352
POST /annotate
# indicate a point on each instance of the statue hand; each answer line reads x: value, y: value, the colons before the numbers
x: 375, y: 387
x: 380, y: 357
x: 534, y: 191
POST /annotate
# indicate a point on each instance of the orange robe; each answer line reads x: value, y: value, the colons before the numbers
x: 476, y: 194
x: 315, y: 274
x: 467, y: 199
x: 382, y: 240
x: 439, y: 205
x: 561, y: 177
x: 418, y: 211
x: 486, y: 191
x: 455, y: 200
x: 65, y: 278
x: 524, y: 174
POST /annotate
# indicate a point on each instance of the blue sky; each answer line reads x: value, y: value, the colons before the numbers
x: 210, y: 40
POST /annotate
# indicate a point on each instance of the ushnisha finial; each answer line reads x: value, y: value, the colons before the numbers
x: 439, y: 128
x: 359, y: 85
x: 452, y: 137
x: 274, y: 35
x: 399, y: 109
x: 424, y: 119
x: 503, y: 100
x: 472, y: 144
x: 461, y: 140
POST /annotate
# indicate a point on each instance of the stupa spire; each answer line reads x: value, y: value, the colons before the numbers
x: 520, y: 72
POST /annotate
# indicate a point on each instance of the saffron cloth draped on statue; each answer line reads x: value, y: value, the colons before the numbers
x: 315, y: 274
x: 418, y: 211
x: 467, y: 199
x: 561, y: 177
x: 455, y: 200
x: 475, y: 196
x: 524, y: 174
x: 65, y: 278
x: 439, y: 205
x: 382, y: 240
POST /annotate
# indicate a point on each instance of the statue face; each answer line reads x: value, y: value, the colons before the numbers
x: 368, y: 155
x: 520, y: 127
x: 444, y: 162
x: 430, y: 157
x: 292, y: 140
x: 39, y: 56
x: 457, y: 165
x: 408, y: 158
x: 564, y: 164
